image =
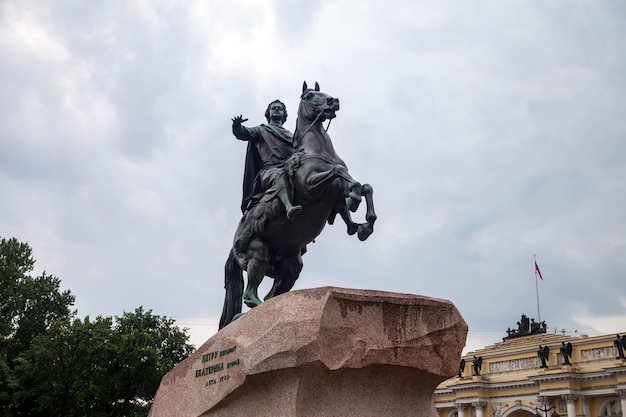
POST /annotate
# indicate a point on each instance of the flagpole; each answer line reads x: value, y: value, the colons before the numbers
x: 537, y: 289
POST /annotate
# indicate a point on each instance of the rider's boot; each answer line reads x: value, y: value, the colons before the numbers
x: 292, y: 210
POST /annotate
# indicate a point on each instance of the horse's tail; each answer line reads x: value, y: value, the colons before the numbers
x: 233, y: 283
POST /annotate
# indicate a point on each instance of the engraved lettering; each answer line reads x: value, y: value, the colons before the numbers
x: 209, y: 356
x: 227, y: 351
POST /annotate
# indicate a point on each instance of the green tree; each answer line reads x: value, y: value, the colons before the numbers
x: 149, y: 346
x: 104, y: 367
x: 28, y: 307
x: 65, y: 372
x: 40, y: 303
x: 5, y: 384
x: 15, y: 262
x: 54, y: 365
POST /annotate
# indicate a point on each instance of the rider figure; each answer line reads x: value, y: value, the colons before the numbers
x: 269, y: 146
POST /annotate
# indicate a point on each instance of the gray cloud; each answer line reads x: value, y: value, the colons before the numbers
x: 489, y: 132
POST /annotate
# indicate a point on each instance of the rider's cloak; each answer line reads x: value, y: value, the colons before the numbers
x: 279, y: 143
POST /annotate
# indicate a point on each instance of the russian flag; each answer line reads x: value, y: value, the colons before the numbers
x: 538, y: 271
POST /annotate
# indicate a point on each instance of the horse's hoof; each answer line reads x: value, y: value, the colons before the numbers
x: 237, y: 316
x: 352, y: 228
x: 365, y: 230
x: 252, y: 302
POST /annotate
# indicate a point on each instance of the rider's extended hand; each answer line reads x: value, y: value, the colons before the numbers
x: 238, y: 120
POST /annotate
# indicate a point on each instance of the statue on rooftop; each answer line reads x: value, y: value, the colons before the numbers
x: 477, y: 364
x: 525, y: 327
x: 544, y: 354
x: 566, y: 352
x: 620, y: 345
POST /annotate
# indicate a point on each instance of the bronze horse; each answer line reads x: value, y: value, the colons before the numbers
x: 324, y: 188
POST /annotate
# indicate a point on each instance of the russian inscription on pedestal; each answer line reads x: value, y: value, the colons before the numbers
x: 214, y: 363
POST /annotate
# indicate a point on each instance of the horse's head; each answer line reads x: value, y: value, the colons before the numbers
x: 316, y: 106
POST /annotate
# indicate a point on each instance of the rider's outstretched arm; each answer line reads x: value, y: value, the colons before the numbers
x: 239, y: 130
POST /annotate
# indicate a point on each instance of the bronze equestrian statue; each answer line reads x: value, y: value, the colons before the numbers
x: 294, y: 193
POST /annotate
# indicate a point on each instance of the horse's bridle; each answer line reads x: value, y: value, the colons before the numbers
x: 315, y: 121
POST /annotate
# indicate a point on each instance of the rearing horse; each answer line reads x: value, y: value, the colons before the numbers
x: 322, y: 186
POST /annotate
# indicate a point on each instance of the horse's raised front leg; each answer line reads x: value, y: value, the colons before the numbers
x: 347, y: 218
x: 367, y: 228
x: 363, y: 230
x: 353, y: 189
x: 353, y: 198
x: 321, y: 179
x: 257, y: 264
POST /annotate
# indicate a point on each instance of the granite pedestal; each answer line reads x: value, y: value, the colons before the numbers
x: 322, y: 352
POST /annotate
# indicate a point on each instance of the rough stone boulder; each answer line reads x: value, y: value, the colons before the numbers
x: 329, y: 352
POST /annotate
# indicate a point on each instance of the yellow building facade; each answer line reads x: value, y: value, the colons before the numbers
x: 511, y: 380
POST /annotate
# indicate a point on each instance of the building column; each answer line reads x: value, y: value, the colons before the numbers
x: 479, y: 405
x: 571, y: 404
x: 461, y: 409
x: 621, y: 393
x: 586, y: 409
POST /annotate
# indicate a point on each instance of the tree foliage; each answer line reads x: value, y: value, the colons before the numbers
x: 63, y: 373
x: 103, y: 367
x: 149, y: 346
x: 28, y: 307
x: 52, y: 364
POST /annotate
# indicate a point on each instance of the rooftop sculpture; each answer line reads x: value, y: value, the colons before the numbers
x: 526, y: 327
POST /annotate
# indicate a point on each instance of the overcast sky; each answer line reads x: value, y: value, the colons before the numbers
x: 491, y: 131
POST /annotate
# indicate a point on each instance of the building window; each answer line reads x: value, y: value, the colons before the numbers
x: 611, y: 407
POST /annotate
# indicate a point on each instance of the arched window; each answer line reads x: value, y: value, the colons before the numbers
x: 611, y: 407
x: 521, y: 411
